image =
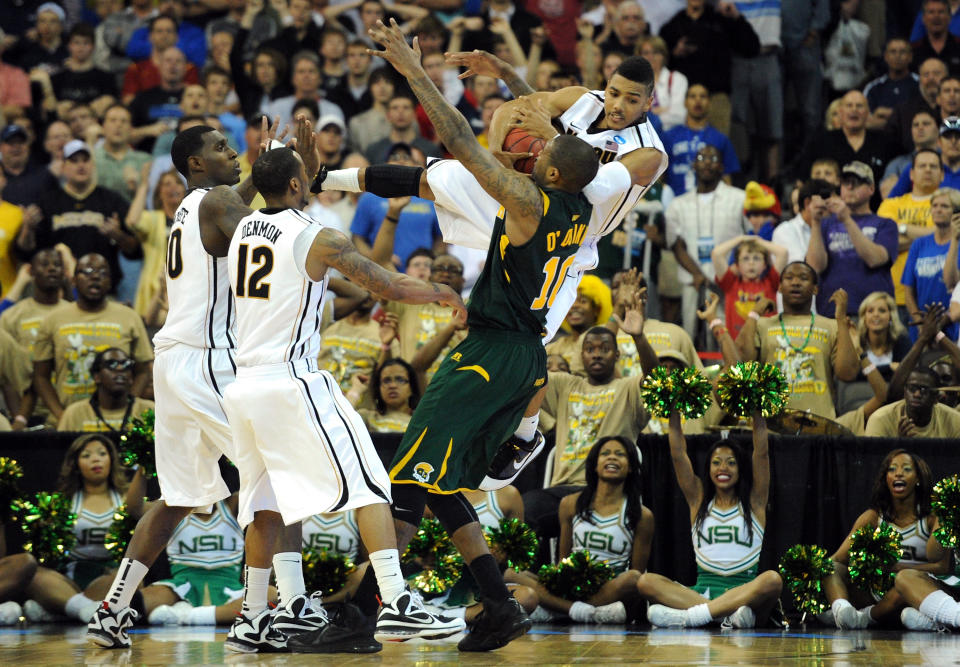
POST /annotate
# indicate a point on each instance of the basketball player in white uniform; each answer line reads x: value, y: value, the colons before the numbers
x: 194, y: 365
x: 299, y: 445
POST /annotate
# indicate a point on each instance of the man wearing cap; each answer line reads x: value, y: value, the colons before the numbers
x: 794, y: 234
x: 949, y: 144
x: 402, y: 117
x: 911, y: 212
x: 853, y: 249
x: 26, y: 181
x: 331, y: 140
x: 48, y: 49
x: 87, y: 217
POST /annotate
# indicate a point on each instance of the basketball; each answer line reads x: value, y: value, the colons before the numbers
x: 519, y: 141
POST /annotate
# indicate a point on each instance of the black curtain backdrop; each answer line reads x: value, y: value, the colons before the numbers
x: 819, y: 485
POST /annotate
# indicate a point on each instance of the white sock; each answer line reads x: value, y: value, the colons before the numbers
x: 202, y: 616
x: 129, y: 575
x: 256, y: 580
x: 386, y: 565
x: 698, y: 616
x: 838, y: 605
x: 288, y: 569
x: 347, y: 180
x: 942, y: 608
x: 527, y: 428
x: 581, y: 612
x: 80, y: 607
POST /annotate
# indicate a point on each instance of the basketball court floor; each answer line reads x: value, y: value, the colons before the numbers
x: 546, y: 645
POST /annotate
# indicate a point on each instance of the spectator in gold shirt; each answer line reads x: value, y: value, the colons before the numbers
x: 112, y: 407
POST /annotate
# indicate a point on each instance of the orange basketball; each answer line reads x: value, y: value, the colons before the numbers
x: 519, y: 141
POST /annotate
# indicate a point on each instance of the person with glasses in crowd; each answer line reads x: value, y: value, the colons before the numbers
x: 396, y: 393
x: 112, y: 407
x: 919, y: 414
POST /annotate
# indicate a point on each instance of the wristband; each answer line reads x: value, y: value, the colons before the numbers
x: 393, y: 220
x: 20, y: 419
x: 754, y: 315
x: 940, y: 336
x: 869, y: 369
x: 716, y: 322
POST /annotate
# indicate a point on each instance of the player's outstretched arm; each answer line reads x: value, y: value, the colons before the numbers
x: 483, y: 63
x: 331, y: 248
x: 220, y: 212
x: 517, y: 193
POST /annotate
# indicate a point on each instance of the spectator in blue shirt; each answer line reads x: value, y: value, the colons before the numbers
x: 897, y: 86
x: 949, y: 156
x: 191, y: 39
x: 682, y: 142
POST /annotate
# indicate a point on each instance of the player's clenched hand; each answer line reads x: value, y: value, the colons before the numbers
x: 405, y: 60
x: 447, y: 297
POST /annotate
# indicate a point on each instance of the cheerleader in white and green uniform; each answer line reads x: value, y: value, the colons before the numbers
x: 932, y: 599
x: 901, y: 498
x: 607, y: 519
x: 727, y: 514
x: 339, y: 534
x: 205, y: 586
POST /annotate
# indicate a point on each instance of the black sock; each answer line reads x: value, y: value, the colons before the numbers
x: 484, y: 569
x: 365, y: 596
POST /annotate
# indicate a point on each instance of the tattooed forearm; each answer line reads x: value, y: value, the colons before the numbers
x: 516, y: 84
x: 246, y: 190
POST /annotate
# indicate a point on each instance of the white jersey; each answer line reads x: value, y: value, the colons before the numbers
x: 488, y: 511
x: 91, y: 528
x: 201, y: 309
x: 337, y: 533
x: 723, y: 545
x: 913, y: 542
x: 278, y: 306
x: 609, y: 538
x: 210, y: 543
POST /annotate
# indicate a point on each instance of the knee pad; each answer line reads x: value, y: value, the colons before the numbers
x: 408, y: 503
x: 454, y: 511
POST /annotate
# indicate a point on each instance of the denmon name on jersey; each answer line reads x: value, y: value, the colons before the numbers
x: 261, y: 228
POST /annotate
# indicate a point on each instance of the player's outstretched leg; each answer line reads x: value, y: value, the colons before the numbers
x: 519, y: 451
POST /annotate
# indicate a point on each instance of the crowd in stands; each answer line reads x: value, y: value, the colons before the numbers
x: 809, y: 218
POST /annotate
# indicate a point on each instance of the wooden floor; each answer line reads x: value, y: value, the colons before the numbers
x: 545, y: 645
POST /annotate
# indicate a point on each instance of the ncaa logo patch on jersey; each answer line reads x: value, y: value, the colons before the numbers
x: 422, y: 472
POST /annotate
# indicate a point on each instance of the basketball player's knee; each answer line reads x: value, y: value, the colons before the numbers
x: 453, y: 511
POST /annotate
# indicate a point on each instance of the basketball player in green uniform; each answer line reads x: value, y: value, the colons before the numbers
x: 481, y: 390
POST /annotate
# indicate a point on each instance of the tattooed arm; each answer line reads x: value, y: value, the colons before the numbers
x: 331, y: 248
x: 482, y: 63
x: 517, y: 193
x: 221, y: 210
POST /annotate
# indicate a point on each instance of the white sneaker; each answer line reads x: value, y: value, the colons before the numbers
x: 741, y: 618
x: 405, y: 618
x: 662, y: 616
x: 851, y: 618
x: 300, y: 614
x: 255, y: 635
x: 36, y: 613
x: 614, y: 612
x: 10, y: 613
x: 914, y: 619
x: 165, y: 615
x: 581, y: 612
x: 542, y: 615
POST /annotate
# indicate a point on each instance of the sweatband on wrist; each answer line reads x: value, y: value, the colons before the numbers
x: 869, y: 369
x: 940, y: 336
x: 754, y: 315
x: 346, y: 180
x: 717, y: 322
x: 393, y: 180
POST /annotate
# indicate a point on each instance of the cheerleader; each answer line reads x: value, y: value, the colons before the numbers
x: 339, y: 534
x: 607, y: 519
x: 728, y: 504
x: 901, y: 498
x: 932, y: 599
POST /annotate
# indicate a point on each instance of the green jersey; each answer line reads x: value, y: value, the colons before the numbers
x: 519, y: 283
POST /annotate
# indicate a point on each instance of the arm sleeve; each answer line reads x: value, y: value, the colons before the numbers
x: 611, y: 180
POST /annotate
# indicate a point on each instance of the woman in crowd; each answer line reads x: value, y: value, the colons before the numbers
x: 882, y: 337
x: 93, y: 479
x: 396, y: 393
x: 609, y: 511
x: 670, y: 87
x: 731, y: 493
x: 900, y: 498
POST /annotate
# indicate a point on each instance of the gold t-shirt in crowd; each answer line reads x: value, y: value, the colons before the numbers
x: 569, y: 347
x: 583, y: 413
x: 392, y: 422
x: 807, y: 367
x: 71, y: 338
x: 14, y: 364
x: 662, y: 336
x: 348, y: 349
x: 420, y: 323
x: 907, y: 210
x: 22, y: 321
x: 854, y: 421
x: 80, y: 416
x: 884, y: 423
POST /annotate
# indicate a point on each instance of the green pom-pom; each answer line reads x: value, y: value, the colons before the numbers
x: 685, y: 390
x: 10, y: 475
x: 803, y: 568
x: 136, y: 446
x: 515, y: 541
x: 119, y: 533
x: 750, y: 386
x: 47, y: 524
x: 873, y: 554
x: 442, y: 563
x: 577, y: 577
x: 946, y: 505
x: 325, y: 571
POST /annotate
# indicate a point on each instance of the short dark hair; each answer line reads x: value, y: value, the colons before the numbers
x: 948, y: 77
x: 210, y: 70
x: 161, y: 17
x: 921, y: 151
x: 279, y: 60
x: 421, y: 252
x: 576, y: 160
x: 927, y: 371
x: 601, y: 331
x: 924, y: 112
x: 813, y: 272
x: 308, y: 104
x: 638, y: 70
x: 812, y: 188
x: 116, y: 105
x: 187, y: 144
x: 84, y: 30
x: 192, y: 118
x: 273, y: 170
x: 384, y: 73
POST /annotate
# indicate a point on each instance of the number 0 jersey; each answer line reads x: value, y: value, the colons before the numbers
x: 519, y: 283
x: 278, y: 305
x: 198, y: 289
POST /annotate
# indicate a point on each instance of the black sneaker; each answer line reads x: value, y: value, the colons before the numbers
x: 496, y: 626
x: 405, y: 618
x: 513, y: 456
x: 255, y: 635
x: 348, y: 631
x: 108, y: 629
x: 301, y: 614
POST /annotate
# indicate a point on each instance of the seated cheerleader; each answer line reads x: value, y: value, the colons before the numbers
x: 607, y: 519
x: 396, y: 393
x: 339, y: 534
x: 92, y: 477
x: 730, y: 496
x: 932, y: 599
x: 901, y: 498
x: 205, y: 587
